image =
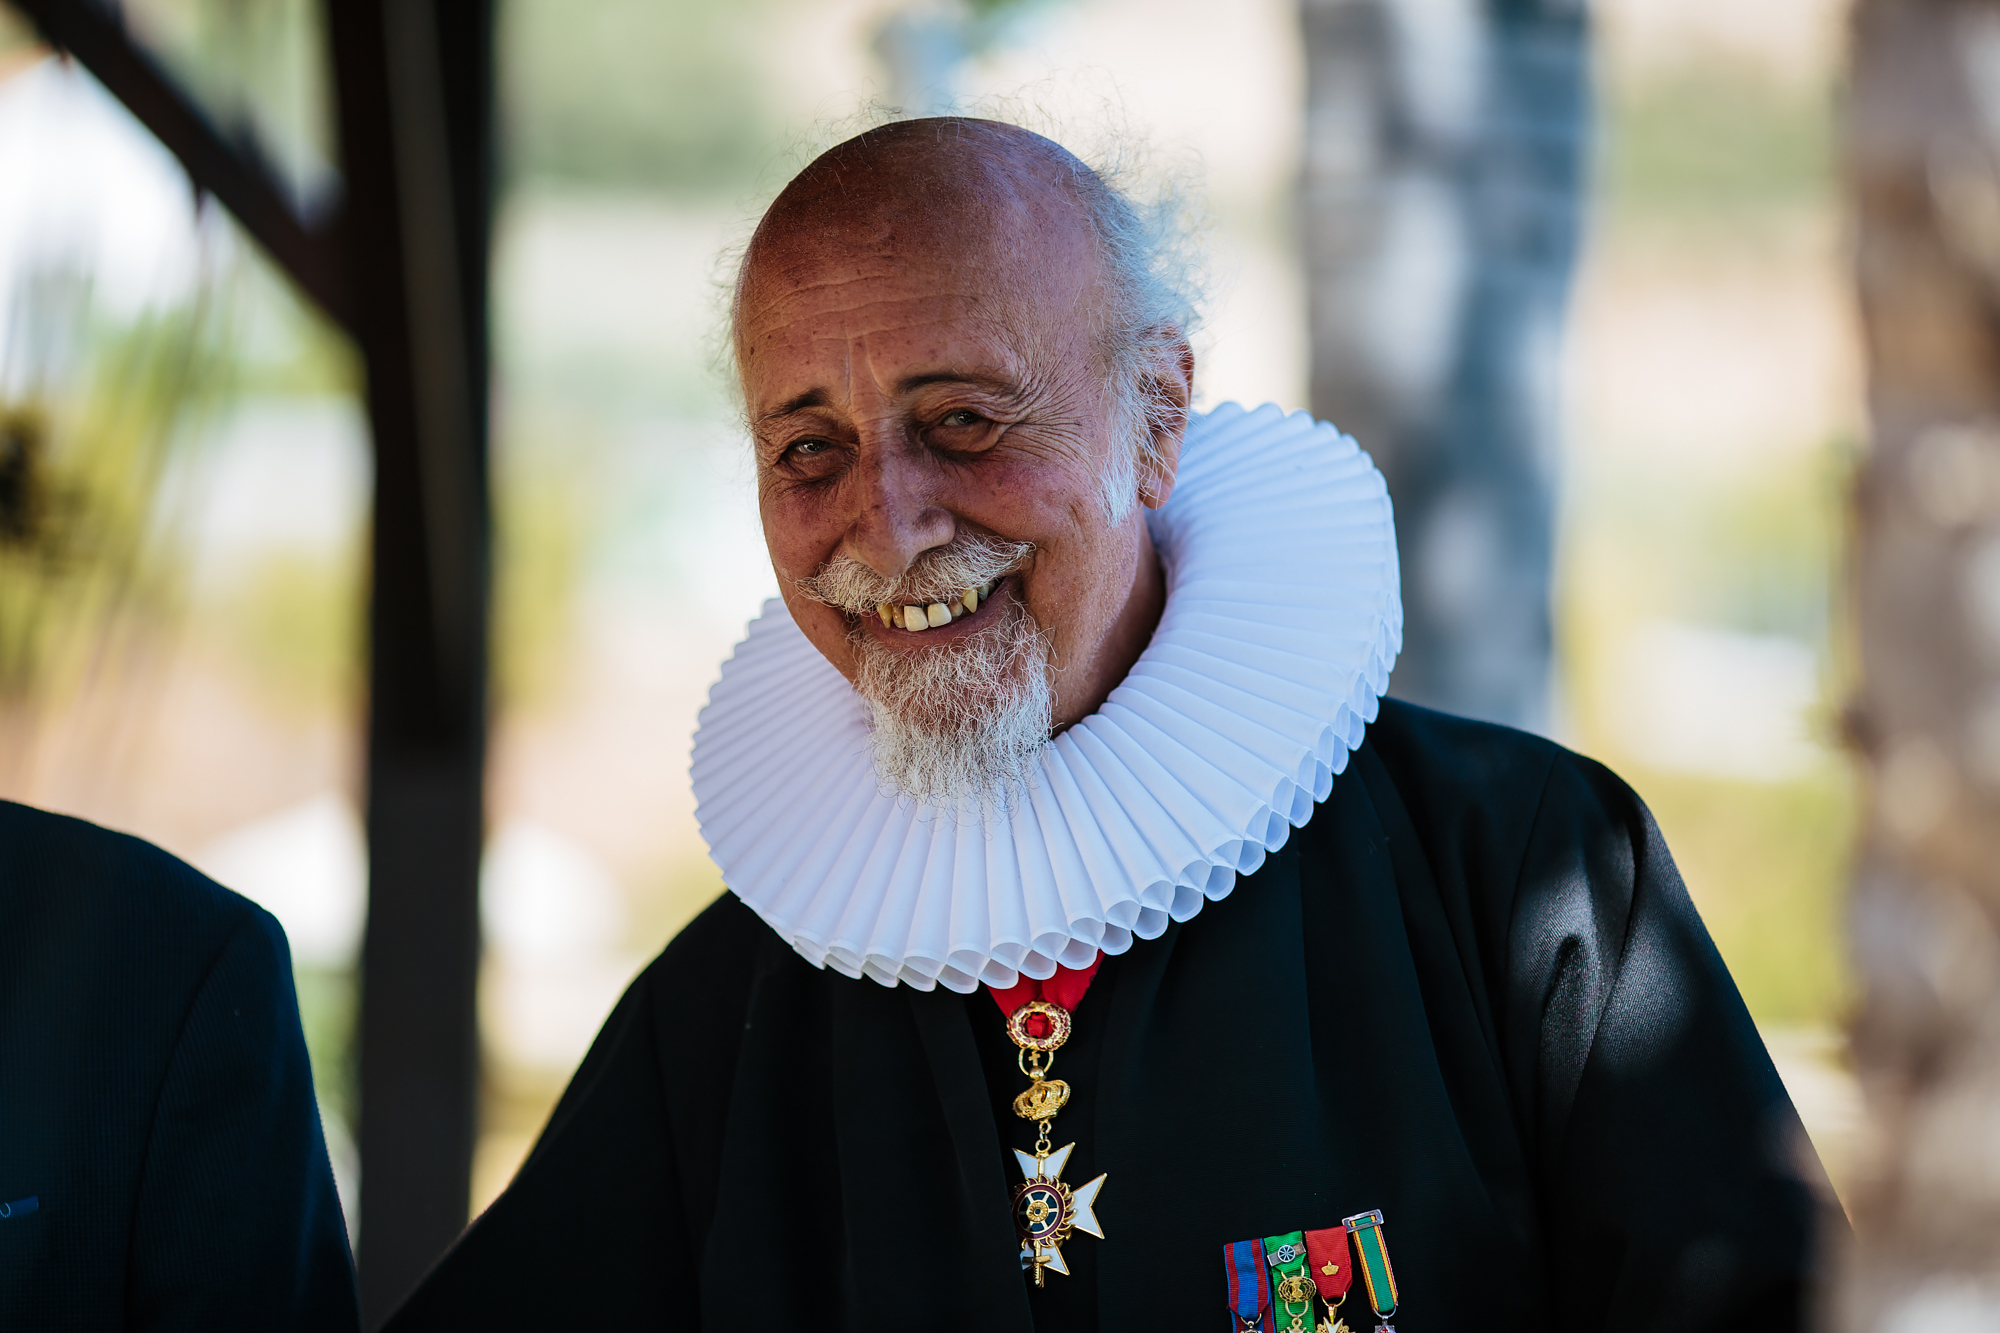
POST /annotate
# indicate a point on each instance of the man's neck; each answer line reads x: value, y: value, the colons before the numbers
x: 1125, y: 641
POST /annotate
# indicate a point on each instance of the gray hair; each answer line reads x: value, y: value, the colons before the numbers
x: 1150, y: 232
x: 1152, y: 256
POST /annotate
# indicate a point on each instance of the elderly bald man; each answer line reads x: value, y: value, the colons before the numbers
x: 1102, y: 950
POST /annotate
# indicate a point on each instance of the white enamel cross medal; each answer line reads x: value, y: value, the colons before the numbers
x: 1046, y: 1210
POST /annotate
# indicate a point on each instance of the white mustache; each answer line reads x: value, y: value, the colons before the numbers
x: 938, y: 575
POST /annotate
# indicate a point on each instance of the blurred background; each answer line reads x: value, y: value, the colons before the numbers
x: 185, y: 470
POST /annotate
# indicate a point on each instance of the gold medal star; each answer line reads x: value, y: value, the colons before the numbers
x: 1046, y: 1210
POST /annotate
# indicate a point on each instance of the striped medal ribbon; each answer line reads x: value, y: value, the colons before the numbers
x: 1249, y: 1287
x: 1371, y: 1251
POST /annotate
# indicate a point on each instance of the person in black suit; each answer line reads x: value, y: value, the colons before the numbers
x: 161, y: 1159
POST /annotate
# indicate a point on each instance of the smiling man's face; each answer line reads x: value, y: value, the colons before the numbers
x: 918, y: 335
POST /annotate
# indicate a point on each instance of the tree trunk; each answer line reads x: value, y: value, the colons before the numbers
x: 1441, y: 195
x: 1923, y: 158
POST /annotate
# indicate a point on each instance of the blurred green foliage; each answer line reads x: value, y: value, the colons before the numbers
x: 1717, y: 140
x: 1766, y: 863
x: 1756, y: 554
x: 88, y: 557
x: 1764, y: 553
x: 286, y: 348
x: 326, y: 1013
x: 17, y: 35
x: 657, y: 94
x: 294, y: 622
x: 1716, y: 166
x: 260, y: 70
x: 541, y: 496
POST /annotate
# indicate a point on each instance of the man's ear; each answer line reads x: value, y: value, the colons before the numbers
x: 1168, y: 388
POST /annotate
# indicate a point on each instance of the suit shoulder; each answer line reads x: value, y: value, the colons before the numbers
x: 725, y: 926
x: 716, y: 953
x: 1476, y: 790
x: 1454, y: 775
x: 1484, y: 761
x: 1420, y: 743
x: 69, y: 884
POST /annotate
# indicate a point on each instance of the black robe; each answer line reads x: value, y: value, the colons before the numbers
x: 1471, y: 992
x: 161, y: 1160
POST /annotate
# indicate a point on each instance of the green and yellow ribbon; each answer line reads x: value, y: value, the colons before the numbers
x: 1373, y: 1254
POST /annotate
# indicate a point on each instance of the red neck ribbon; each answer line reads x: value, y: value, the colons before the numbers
x: 1064, y: 990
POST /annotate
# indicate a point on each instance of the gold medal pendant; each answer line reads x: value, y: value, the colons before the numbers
x: 1296, y: 1290
x: 1046, y: 1211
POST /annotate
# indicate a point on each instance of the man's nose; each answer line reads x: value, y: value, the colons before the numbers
x: 899, y: 517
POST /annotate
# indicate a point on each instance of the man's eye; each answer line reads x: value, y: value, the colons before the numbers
x: 810, y: 448
x: 962, y: 417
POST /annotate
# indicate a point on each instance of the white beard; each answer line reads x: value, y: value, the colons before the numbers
x: 953, y: 723
x: 962, y: 723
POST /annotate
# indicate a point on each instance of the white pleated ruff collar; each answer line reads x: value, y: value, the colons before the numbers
x: 1283, y: 618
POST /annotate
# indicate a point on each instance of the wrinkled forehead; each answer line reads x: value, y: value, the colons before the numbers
x: 975, y: 229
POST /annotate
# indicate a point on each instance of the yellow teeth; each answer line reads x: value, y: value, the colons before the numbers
x: 914, y: 618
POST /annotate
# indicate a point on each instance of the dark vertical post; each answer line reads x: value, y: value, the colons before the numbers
x: 414, y: 82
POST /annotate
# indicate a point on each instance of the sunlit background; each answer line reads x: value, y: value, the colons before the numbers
x: 179, y: 624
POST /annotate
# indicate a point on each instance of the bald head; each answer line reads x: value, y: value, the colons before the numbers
x: 936, y: 171
x: 974, y: 198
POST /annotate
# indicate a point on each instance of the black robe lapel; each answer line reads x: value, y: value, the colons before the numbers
x: 990, y: 1272
x: 1389, y: 1003
x: 1210, y: 1116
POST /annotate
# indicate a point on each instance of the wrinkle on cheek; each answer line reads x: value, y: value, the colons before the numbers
x: 801, y: 508
x: 787, y: 509
x: 1061, y: 471
x: 823, y: 626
